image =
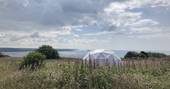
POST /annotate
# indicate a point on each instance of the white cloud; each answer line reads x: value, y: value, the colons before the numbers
x: 128, y: 22
x: 116, y: 7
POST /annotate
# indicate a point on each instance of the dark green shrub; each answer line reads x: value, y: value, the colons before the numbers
x: 143, y: 55
x: 48, y: 51
x: 33, y: 60
x: 156, y: 55
x: 132, y: 54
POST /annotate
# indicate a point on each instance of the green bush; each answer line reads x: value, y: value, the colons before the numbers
x: 48, y: 51
x: 33, y: 60
x: 156, y: 55
x: 143, y: 55
x: 131, y: 54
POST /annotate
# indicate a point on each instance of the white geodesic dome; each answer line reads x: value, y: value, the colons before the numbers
x: 102, y: 56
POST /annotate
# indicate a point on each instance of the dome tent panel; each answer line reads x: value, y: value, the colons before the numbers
x: 102, y: 57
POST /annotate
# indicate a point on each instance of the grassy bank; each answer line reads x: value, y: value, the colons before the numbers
x: 71, y: 74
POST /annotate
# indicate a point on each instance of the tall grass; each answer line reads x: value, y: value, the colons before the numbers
x: 143, y: 74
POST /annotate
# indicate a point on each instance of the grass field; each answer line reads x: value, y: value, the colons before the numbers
x: 71, y: 74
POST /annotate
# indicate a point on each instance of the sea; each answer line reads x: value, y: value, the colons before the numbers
x: 66, y: 54
x: 72, y: 53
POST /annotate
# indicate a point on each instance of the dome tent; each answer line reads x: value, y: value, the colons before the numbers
x: 102, y: 56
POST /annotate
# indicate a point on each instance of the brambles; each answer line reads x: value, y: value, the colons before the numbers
x: 48, y: 51
x: 33, y: 60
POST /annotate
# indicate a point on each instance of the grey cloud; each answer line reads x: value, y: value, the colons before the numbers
x: 55, y: 12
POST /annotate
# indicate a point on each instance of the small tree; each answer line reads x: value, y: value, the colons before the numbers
x: 33, y: 60
x: 48, y: 51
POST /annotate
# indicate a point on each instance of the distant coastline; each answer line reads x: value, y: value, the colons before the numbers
x: 28, y: 49
x: 72, y: 53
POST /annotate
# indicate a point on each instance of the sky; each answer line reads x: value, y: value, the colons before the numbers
x: 86, y: 24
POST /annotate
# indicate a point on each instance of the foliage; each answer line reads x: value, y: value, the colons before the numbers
x: 33, y: 60
x: 143, y: 55
x: 48, y: 51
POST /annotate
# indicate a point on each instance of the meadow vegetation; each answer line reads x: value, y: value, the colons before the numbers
x: 75, y: 74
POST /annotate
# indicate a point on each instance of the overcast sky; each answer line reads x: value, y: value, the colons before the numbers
x: 86, y: 24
